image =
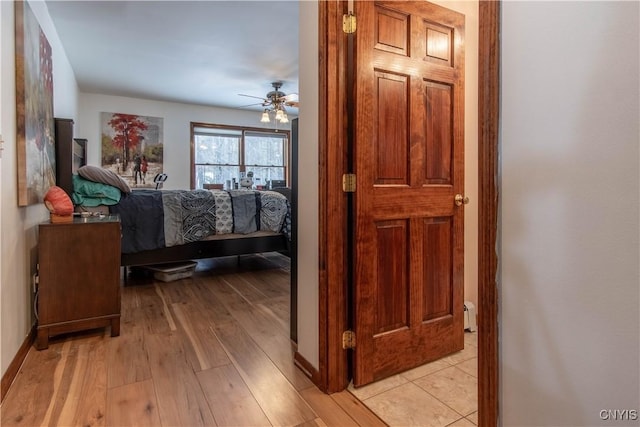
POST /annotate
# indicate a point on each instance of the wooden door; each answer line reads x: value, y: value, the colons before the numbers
x: 409, y: 164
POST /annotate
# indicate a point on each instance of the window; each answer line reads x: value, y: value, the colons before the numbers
x: 224, y: 154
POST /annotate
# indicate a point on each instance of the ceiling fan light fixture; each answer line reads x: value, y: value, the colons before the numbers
x: 276, y: 103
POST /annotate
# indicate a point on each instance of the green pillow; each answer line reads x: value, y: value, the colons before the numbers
x: 90, y: 193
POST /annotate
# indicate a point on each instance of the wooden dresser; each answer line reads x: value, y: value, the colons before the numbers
x: 79, y: 277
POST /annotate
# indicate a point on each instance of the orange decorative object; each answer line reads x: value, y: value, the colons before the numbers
x: 58, y: 202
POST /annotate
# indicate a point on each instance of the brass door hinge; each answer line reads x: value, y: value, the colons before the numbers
x: 349, y: 183
x: 349, y: 23
x: 348, y: 340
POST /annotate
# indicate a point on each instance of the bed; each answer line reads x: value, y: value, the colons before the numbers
x: 164, y: 226
x: 167, y: 226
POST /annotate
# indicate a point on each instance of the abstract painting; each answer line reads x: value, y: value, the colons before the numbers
x: 34, y: 108
x: 132, y: 147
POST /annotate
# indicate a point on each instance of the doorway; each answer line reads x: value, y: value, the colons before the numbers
x: 334, y: 360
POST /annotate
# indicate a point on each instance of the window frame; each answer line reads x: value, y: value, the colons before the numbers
x: 244, y: 130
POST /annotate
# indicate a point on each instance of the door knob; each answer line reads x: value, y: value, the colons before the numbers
x: 461, y: 200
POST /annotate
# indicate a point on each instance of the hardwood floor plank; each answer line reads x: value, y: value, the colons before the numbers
x: 230, y: 399
x: 62, y: 378
x: 357, y: 410
x: 178, y: 291
x: 278, y: 260
x: 280, y: 307
x: 72, y: 396
x: 180, y: 397
x: 247, y: 313
x: 132, y: 405
x: 276, y: 396
x: 264, y: 329
x: 128, y: 361
x: 165, y: 307
x: 152, y: 310
x: 204, y: 351
x: 274, y: 308
x: 91, y: 385
x: 271, y: 283
x: 130, y: 306
x: 211, y: 307
x: 31, y: 393
x: 318, y: 422
x: 276, y: 281
x: 244, y: 288
x: 327, y: 408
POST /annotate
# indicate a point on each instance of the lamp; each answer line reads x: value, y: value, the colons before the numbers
x: 279, y: 112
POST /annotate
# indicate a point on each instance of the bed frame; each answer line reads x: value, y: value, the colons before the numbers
x: 209, y: 249
x: 218, y: 247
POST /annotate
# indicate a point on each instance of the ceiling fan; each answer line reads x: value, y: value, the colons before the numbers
x: 275, y: 103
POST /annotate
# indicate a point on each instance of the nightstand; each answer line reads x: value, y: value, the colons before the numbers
x: 79, y: 277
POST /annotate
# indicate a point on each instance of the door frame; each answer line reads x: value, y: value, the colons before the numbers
x: 333, y: 367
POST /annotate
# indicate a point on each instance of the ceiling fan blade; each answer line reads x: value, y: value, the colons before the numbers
x: 251, y: 105
x: 257, y: 97
x: 292, y: 97
x: 290, y: 100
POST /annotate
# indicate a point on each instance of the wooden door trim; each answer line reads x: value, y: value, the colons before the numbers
x: 488, y: 193
x: 333, y: 363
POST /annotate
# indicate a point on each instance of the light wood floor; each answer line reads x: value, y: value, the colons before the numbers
x: 210, y: 350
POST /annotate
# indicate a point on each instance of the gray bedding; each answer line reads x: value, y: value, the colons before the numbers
x: 152, y: 219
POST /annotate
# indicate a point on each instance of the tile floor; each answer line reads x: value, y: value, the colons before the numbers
x: 439, y: 394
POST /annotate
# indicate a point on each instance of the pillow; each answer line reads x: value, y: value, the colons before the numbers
x: 104, y: 176
x: 90, y: 193
x: 58, y: 202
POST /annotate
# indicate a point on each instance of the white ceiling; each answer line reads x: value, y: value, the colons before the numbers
x: 196, y: 52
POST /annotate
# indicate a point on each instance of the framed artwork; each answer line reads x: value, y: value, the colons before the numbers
x: 34, y: 108
x: 132, y: 147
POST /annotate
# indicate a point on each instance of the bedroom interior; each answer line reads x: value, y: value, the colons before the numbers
x: 136, y: 251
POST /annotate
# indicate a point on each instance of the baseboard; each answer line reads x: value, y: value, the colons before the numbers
x: 16, y: 363
x: 307, y: 368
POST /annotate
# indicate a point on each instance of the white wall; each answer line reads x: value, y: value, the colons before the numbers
x: 177, y: 120
x: 470, y: 10
x: 569, y: 288
x: 308, y: 238
x: 2, y: 366
x: 19, y: 224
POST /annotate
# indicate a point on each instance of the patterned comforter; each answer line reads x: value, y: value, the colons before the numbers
x: 153, y: 219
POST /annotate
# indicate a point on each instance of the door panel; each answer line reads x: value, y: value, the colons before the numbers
x: 392, y: 108
x: 436, y: 283
x: 438, y: 133
x: 408, y: 157
x: 392, y: 265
